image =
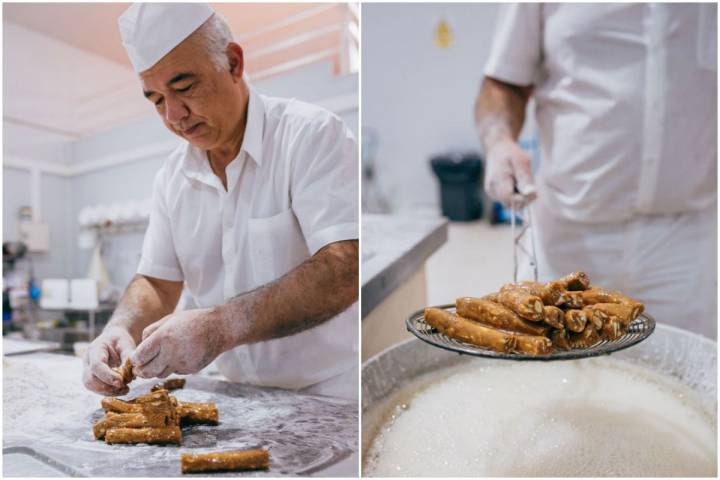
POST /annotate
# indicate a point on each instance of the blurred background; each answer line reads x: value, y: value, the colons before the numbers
x: 81, y: 145
x: 424, y: 213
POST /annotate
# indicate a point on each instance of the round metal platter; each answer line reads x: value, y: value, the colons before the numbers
x: 638, y: 330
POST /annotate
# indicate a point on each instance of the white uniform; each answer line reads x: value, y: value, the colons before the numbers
x: 626, y: 99
x: 291, y: 190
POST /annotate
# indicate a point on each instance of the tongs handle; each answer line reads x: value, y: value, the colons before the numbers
x: 519, y: 202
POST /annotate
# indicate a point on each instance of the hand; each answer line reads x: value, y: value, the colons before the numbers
x: 108, y: 350
x: 183, y: 342
x: 508, y: 166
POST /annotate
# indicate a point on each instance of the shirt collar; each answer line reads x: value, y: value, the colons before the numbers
x: 195, y: 164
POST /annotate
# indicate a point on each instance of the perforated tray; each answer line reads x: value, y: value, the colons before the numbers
x: 637, y: 331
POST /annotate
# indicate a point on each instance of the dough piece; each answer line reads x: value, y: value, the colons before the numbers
x: 486, y: 337
x: 125, y: 371
x: 152, y: 404
x: 550, y: 293
x: 575, y: 281
x: 225, y: 461
x: 496, y: 315
x: 585, y: 339
x: 596, y: 316
x: 112, y: 404
x: 554, y: 316
x: 622, y: 312
x: 573, y: 300
x: 612, y: 329
x: 601, y: 295
x: 521, y: 302
x: 161, y: 435
x: 169, y: 385
x: 575, y: 320
x: 560, y: 339
x: 128, y: 420
x: 197, y: 413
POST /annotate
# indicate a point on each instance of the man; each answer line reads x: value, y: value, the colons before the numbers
x: 626, y: 99
x: 256, y: 213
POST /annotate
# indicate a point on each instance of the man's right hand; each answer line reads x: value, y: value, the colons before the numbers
x: 108, y: 350
x: 508, y: 166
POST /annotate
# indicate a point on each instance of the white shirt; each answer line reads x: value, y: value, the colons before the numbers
x: 626, y: 104
x: 291, y: 190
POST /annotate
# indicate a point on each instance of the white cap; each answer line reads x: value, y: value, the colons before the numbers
x: 151, y: 30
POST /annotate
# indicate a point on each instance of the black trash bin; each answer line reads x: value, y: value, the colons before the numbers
x: 459, y: 176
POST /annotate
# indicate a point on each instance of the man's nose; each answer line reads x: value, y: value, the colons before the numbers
x: 175, y: 111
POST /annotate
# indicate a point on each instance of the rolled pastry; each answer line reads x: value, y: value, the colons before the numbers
x: 522, y: 303
x: 585, y: 339
x: 612, y: 329
x: 622, y: 312
x: 576, y: 281
x: 560, y: 339
x: 128, y: 420
x: 595, y: 316
x: 575, y: 320
x: 477, y: 334
x: 126, y: 372
x: 151, y: 435
x: 601, y: 295
x: 169, y: 385
x: 554, y: 316
x: 225, y: 461
x: 496, y: 315
x: 550, y: 293
x: 197, y: 413
x: 573, y: 300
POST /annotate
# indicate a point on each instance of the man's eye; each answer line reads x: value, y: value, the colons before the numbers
x: 158, y: 102
x: 181, y: 90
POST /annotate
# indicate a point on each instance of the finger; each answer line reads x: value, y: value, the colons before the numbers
x: 96, y: 385
x: 125, y: 347
x: 154, y: 367
x: 150, y: 329
x: 522, y: 170
x: 165, y: 373
x: 101, y: 369
x: 146, y: 352
x: 500, y: 188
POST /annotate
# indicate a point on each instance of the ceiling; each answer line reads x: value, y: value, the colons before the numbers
x: 66, y: 73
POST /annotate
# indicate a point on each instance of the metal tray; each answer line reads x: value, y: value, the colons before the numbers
x: 638, y: 330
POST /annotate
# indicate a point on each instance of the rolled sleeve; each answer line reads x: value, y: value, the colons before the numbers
x: 324, y: 186
x: 516, y: 50
x: 159, y: 259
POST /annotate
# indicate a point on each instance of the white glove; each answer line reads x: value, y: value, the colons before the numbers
x: 508, y: 166
x: 108, y: 350
x: 183, y: 342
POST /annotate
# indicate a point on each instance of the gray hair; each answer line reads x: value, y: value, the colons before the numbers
x: 215, y: 35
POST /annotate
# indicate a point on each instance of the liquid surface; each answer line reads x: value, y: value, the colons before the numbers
x: 595, y: 417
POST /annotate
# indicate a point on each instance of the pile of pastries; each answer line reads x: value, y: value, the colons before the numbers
x: 533, y: 318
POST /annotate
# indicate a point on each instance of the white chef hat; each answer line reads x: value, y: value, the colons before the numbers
x: 151, y: 30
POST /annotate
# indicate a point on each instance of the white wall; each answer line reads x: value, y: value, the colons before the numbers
x: 417, y: 98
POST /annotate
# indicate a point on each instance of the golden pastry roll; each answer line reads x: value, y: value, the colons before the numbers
x: 612, y: 329
x: 112, y: 404
x: 595, y: 316
x: 160, y: 395
x: 255, y: 459
x: 575, y: 320
x: 575, y: 281
x: 490, y: 297
x: 550, y: 293
x: 573, y: 300
x: 495, y: 315
x: 600, y: 295
x: 197, y: 413
x: 128, y: 420
x: 587, y: 338
x: 480, y: 335
x: 125, y: 371
x: 623, y: 312
x: 169, y: 385
x: 554, y: 316
x: 559, y: 339
x: 522, y: 303
x: 161, y: 435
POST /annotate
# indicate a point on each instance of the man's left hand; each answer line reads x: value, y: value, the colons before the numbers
x: 183, y: 342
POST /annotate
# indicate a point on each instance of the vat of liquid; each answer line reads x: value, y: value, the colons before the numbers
x: 650, y: 410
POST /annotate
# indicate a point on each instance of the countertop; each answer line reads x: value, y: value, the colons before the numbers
x: 393, y: 248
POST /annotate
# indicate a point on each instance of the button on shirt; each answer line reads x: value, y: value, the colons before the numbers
x: 291, y: 190
x: 626, y: 104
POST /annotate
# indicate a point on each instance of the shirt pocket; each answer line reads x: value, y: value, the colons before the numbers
x: 276, y: 246
x: 707, y: 37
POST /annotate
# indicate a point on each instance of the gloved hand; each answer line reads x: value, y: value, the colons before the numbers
x: 508, y: 166
x: 183, y: 342
x: 108, y: 350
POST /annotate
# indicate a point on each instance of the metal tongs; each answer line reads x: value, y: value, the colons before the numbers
x: 520, y: 208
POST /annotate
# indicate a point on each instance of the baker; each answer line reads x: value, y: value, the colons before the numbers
x: 255, y: 213
x: 626, y: 98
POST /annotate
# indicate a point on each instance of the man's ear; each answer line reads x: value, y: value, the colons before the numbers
x: 236, y: 59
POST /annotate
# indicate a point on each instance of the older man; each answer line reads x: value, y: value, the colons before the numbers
x: 256, y: 212
x: 626, y: 99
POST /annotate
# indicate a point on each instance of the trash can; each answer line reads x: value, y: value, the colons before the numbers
x: 459, y: 176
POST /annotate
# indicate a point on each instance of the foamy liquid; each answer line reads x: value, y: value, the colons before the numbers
x: 596, y: 417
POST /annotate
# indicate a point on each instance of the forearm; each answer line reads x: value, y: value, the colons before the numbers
x: 145, y: 301
x: 500, y: 111
x: 315, y: 291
